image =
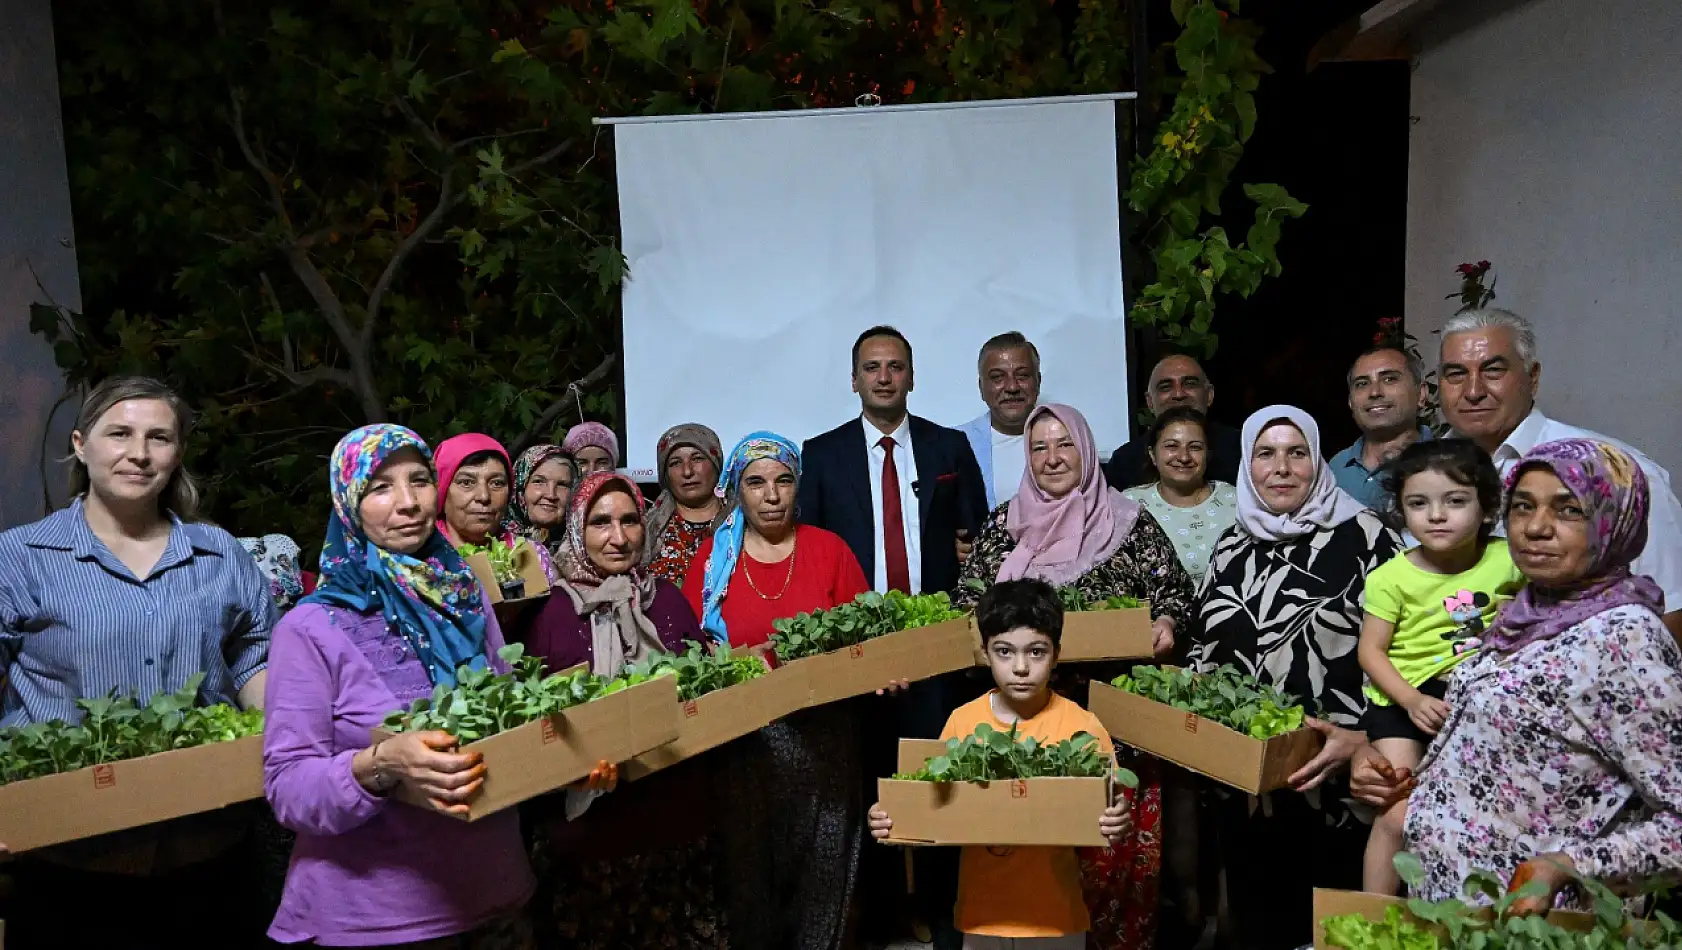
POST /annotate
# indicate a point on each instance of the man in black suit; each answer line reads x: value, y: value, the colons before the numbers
x: 934, y: 489
x: 1176, y: 381
x: 899, y: 490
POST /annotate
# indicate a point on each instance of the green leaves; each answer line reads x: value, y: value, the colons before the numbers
x: 114, y: 728
x: 1487, y: 926
x: 701, y: 671
x: 1225, y: 695
x: 499, y: 554
x: 1074, y: 601
x: 482, y: 703
x: 870, y: 615
x: 1183, y: 177
x: 990, y: 755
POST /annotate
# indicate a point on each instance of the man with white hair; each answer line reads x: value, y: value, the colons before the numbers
x: 1489, y: 374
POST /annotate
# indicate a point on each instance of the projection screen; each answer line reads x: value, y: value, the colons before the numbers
x: 761, y: 245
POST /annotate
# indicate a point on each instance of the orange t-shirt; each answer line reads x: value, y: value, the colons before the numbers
x: 1023, y: 892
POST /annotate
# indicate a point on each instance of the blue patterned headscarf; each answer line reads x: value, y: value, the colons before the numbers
x: 727, y: 540
x: 430, y: 597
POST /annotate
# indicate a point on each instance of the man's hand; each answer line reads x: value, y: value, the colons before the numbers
x: 1553, y: 871
x: 1162, y: 636
x: 1341, y: 745
x: 1116, y: 822
x: 894, y: 686
x: 1375, y: 781
x: 966, y: 547
x: 881, y: 826
x: 1427, y: 712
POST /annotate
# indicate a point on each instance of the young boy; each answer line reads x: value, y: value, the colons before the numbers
x: 1022, y: 897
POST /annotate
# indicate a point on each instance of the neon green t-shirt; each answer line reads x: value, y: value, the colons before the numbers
x: 1439, y: 618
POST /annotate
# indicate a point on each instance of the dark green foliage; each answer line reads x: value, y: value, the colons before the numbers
x: 869, y: 616
x: 115, y: 728
x: 1225, y: 696
x: 701, y: 671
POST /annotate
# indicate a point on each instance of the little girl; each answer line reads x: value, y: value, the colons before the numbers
x: 1425, y: 610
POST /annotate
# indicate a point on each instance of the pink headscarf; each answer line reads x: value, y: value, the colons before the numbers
x: 1326, y: 506
x: 1059, y: 539
x: 449, y: 456
x: 592, y: 433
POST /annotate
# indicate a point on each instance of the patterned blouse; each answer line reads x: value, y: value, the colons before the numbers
x: 1145, y: 566
x: 1289, y: 612
x: 1570, y: 744
x: 677, y: 547
x: 1193, y: 530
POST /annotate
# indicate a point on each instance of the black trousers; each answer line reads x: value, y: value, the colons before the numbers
x: 1275, y: 858
x: 214, y: 903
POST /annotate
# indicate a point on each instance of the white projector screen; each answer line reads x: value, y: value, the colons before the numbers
x: 759, y: 247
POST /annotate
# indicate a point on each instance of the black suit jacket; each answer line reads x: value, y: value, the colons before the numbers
x: 835, y: 494
x: 1130, y: 465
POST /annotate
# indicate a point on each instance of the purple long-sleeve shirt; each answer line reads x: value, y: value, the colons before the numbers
x: 367, y: 870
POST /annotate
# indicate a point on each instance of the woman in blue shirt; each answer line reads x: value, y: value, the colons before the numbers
x: 126, y: 590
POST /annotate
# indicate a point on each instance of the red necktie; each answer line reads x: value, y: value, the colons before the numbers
x: 893, y: 521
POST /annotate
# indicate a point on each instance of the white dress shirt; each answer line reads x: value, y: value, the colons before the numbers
x: 1008, y: 461
x: 905, y: 463
x: 1662, y: 560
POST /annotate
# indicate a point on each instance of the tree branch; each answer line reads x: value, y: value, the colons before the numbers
x: 543, y: 159
x: 447, y: 199
x: 569, y: 392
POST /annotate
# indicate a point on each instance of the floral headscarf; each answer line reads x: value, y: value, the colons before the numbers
x: 1613, y: 492
x: 692, y: 435
x: 616, y: 606
x: 519, y: 519
x: 586, y: 434
x: 727, y: 540
x: 430, y: 598
x: 575, y: 564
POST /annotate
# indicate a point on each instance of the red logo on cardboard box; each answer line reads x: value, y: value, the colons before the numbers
x: 1018, y: 788
x: 549, y: 734
x: 856, y: 651
x: 691, y: 709
x: 104, y: 776
x: 1191, y: 723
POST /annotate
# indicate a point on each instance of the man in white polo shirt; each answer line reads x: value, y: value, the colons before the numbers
x: 1489, y: 375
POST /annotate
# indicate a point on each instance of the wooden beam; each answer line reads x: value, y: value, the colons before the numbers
x: 1383, y: 32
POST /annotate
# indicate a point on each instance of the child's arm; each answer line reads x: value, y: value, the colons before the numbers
x: 1374, y: 653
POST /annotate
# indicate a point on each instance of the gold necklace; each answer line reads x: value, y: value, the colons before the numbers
x: 747, y: 571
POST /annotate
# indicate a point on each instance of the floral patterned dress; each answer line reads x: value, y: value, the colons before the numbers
x: 1121, y: 882
x: 676, y: 547
x: 1570, y: 744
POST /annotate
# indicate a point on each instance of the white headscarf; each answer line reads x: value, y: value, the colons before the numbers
x: 1326, y: 506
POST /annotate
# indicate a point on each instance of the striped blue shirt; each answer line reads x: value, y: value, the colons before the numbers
x: 75, y: 622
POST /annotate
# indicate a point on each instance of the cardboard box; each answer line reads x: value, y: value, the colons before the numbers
x: 869, y: 666
x: 723, y: 716
x: 531, y: 571
x: 1374, y: 906
x: 1054, y: 812
x: 552, y: 753
x: 93, y: 801
x: 1202, y: 745
x: 1107, y: 635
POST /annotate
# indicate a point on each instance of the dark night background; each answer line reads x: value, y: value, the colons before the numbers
x: 1336, y: 138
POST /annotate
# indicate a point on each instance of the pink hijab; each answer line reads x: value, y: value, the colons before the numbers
x: 449, y: 456
x: 1326, y: 506
x: 1059, y: 539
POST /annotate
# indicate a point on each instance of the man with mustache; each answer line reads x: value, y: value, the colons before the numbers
x: 1386, y: 394
x: 1009, y: 371
x: 1489, y: 375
